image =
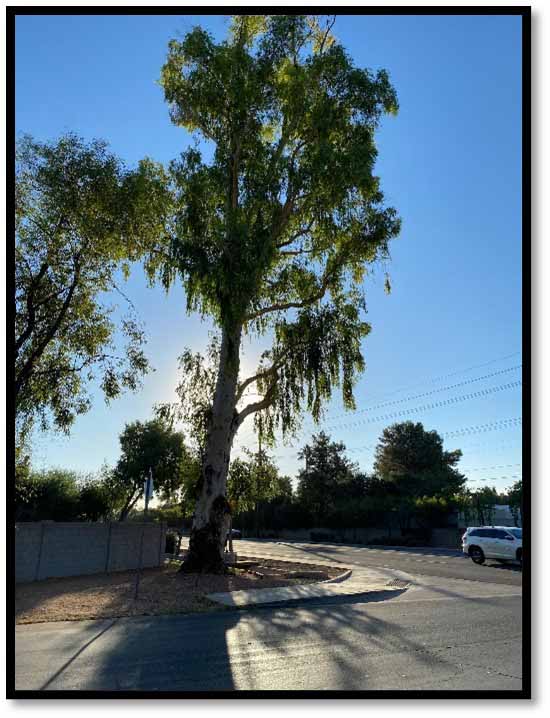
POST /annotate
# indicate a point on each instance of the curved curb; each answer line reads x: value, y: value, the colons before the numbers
x: 340, y: 578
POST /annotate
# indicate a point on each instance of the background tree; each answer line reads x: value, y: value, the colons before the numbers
x: 515, y: 501
x: 413, y: 459
x: 144, y: 446
x: 81, y: 216
x: 252, y: 481
x: 51, y: 495
x: 483, y: 502
x: 63, y: 495
x: 327, y: 475
x: 274, y: 235
x: 96, y: 499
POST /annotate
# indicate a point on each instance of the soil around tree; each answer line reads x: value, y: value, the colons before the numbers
x: 162, y: 590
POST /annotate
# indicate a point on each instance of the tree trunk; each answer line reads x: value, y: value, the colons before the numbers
x: 212, y: 513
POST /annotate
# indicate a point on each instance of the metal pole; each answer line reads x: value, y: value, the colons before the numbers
x: 37, y: 572
x: 138, y: 575
x: 140, y: 562
x: 108, y: 547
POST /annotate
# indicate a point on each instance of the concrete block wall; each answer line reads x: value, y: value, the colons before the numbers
x: 48, y: 549
x: 27, y: 550
x: 125, y: 545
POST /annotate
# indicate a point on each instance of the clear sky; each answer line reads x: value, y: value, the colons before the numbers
x: 450, y: 162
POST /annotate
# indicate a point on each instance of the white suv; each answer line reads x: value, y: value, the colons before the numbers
x: 503, y: 543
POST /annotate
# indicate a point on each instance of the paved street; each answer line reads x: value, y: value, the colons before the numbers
x: 442, y: 633
x: 428, y: 562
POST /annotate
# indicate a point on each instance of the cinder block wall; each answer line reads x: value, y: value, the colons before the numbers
x: 48, y: 549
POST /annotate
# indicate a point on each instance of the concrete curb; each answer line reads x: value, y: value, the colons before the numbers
x: 296, y: 594
x: 338, y: 579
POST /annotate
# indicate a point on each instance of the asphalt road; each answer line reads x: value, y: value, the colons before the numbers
x: 444, y: 632
x: 442, y: 563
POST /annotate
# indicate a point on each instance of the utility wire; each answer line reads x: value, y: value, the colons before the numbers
x: 426, y: 393
x: 489, y: 468
x: 425, y: 407
x: 495, y: 478
x: 498, y: 425
x: 441, y: 377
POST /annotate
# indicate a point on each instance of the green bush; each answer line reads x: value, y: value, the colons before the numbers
x: 171, y: 542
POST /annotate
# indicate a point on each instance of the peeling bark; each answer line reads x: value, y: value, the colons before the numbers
x: 212, y: 513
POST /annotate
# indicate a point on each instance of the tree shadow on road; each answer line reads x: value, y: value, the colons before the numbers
x: 240, y: 650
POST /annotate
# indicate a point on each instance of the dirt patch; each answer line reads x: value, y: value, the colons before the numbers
x: 162, y: 590
x: 292, y: 571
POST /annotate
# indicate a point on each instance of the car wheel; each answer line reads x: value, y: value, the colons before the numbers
x: 477, y: 555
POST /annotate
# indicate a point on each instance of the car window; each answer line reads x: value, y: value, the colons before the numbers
x: 485, y: 533
x: 516, y: 532
x: 473, y: 533
x: 501, y: 534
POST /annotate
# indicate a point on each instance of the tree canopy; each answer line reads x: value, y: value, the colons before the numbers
x: 288, y: 214
x: 253, y: 479
x: 414, y: 459
x: 146, y: 446
x: 62, y: 495
x: 515, y: 501
x: 81, y: 219
x: 327, y: 476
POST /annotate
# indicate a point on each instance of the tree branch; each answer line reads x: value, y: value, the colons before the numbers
x: 292, y: 305
x: 28, y: 366
x: 330, y: 24
x: 295, y: 252
x: 296, y: 235
x: 257, y: 405
x: 260, y: 375
x: 31, y: 314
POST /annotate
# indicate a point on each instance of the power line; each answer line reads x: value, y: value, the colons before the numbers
x: 498, y: 425
x: 483, y: 428
x: 495, y: 478
x: 427, y: 407
x: 427, y: 393
x: 433, y: 380
x: 489, y: 468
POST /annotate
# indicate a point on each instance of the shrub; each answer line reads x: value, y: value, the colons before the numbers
x: 171, y: 542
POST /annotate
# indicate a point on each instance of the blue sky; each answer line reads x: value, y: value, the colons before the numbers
x: 450, y: 162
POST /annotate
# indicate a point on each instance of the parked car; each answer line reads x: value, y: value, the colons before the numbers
x: 235, y: 533
x: 503, y: 543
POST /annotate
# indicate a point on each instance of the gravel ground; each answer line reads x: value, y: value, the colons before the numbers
x: 162, y: 590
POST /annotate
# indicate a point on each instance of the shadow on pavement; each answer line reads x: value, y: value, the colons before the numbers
x: 156, y: 653
x: 507, y: 566
x: 259, y: 649
x: 75, y: 656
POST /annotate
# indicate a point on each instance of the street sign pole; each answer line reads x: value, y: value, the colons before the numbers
x: 148, y: 491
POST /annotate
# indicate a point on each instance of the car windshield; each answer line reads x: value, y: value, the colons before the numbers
x: 516, y: 532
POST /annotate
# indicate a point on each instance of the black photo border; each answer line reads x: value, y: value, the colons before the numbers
x: 12, y: 12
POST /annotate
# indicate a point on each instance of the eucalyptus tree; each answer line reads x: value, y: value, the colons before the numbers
x: 276, y: 230
x: 81, y: 218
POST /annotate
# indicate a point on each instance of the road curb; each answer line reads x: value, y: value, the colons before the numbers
x: 340, y: 578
